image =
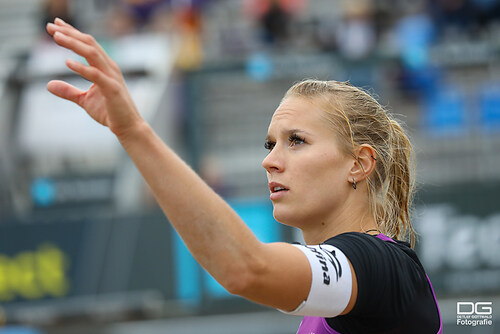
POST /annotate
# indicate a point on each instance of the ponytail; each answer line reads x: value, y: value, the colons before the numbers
x: 401, y: 186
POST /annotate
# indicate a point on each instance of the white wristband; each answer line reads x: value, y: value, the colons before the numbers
x: 331, y: 282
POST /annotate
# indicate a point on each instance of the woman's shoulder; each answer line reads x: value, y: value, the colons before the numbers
x: 357, y: 245
x: 382, y: 260
x: 367, y: 236
x: 392, y: 284
x: 369, y: 239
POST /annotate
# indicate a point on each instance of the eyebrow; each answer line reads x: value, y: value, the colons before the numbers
x: 289, y: 132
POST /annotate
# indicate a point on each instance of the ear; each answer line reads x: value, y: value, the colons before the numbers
x: 364, y: 164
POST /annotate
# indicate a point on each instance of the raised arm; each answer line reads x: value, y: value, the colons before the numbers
x: 277, y: 274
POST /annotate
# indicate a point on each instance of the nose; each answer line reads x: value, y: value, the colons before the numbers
x: 273, y: 162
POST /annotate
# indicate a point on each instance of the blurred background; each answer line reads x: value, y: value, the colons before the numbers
x: 83, y: 245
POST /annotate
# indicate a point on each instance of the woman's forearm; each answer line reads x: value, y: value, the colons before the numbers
x: 215, y: 235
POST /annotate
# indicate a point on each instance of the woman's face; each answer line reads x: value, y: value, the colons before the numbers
x: 308, y: 173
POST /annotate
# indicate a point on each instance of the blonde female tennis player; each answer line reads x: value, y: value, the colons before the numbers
x: 339, y: 168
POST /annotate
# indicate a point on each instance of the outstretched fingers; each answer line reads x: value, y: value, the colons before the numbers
x: 107, y: 100
x: 102, y: 70
x: 82, y: 44
x: 92, y: 54
x: 92, y: 74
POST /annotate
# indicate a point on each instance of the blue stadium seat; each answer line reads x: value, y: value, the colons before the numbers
x: 445, y: 112
x: 489, y: 101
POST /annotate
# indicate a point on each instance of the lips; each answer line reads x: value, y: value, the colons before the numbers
x: 277, y: 190
x: 276, y: 187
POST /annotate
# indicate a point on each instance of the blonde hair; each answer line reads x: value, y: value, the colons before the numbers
x: 359, y: 119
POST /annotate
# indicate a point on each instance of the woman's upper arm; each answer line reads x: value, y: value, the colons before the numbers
x: 304, y: 280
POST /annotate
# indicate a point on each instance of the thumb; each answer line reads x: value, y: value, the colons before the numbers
x: 65, y: 90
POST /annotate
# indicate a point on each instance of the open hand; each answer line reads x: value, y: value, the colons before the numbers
x: 107, y: 100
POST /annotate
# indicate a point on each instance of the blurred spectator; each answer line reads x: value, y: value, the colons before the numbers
x: 133, y: 16
x: 275, y: 23
x: 274, y: 17
x: 356, y: 33
x: 257, y: 8
x: 325, y: 33
x: 180, y: 18
x: 486, y: 12
x: 57, y: 8
x: 453, y: 17
x: 187, y: 26
x: 415, y: 32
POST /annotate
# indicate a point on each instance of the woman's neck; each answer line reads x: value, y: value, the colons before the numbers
x: 349, y: 219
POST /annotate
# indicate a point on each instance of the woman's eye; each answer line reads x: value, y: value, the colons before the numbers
x: 269, y: 145
x: 296, y: 140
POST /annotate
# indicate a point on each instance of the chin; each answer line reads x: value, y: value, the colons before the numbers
x: 289, y: 218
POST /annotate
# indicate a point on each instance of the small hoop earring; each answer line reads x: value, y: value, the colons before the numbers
x: 354, y: 183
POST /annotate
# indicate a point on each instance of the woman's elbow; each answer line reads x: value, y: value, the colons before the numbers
x: 243, y: 280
